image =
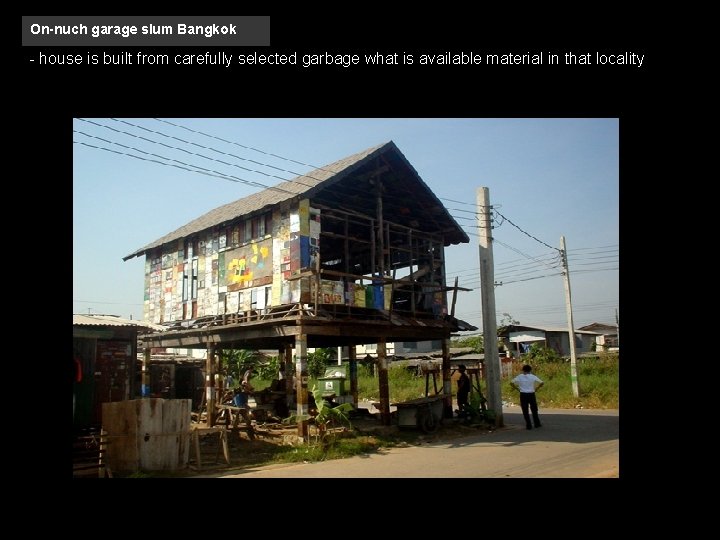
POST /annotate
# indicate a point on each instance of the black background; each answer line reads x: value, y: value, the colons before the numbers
x: 50, y: 96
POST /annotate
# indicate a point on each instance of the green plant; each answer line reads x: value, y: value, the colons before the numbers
x: 327, y: 418
x: 318, y: 361
x: 270, y: 369
x: 237, y: 361
x: 539, y: 354
x: 474, y: 342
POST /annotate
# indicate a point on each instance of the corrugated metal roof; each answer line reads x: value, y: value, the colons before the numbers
x: 111, y: 320
x: 560, y: 329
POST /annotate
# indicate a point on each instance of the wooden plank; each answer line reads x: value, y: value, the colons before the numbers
x: 120, y: 423
x: 150, y: 447
x: 196, y: 441
x: 454, y: 298
x: 226, y: 450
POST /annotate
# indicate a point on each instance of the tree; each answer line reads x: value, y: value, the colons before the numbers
x: 474, y: 342
x: 508, y: 320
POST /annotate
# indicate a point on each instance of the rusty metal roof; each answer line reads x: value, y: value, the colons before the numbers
x: 112, y: 320
x: 307, y: 185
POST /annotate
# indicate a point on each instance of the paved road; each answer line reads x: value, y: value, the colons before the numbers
x: 570, y: 444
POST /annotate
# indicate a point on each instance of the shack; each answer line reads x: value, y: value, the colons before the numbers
x: 351, y: 253
x: 104, y: 352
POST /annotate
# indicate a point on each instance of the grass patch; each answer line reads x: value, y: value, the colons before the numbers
x: 342, y: 447
x: 598, y: 381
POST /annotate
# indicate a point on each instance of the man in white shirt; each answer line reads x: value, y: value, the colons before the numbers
x: 525, y: 384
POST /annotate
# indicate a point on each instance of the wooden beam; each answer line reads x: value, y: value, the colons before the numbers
x: 389, y: 332
x: 196, y: 337
x: 447, y: 382
x: 301, y: 385
x: 347, y: 248
x: 384, y: 385
x: 352, y: 354
x: 452, y: 309
x: 343, y: 237
x: 210, y: 385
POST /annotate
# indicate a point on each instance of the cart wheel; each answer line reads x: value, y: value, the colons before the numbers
x: 426, y: 421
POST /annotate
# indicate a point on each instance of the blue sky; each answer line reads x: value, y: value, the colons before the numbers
x: 550, y: 177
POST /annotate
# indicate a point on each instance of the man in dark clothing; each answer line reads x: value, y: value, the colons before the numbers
x: 462, y: 391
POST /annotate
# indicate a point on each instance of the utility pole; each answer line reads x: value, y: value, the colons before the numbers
x: 571, y: 326
x: 487, y: 293
x: 617, y: 326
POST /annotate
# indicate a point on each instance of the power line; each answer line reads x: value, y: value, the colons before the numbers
x: 278, y: 156
x: 524, y: 231
x: 458, y: 202
x: 243, y: 146
x: 106, y: 303
x: 196, y: 168
x: 601, y: 257
x: 294, y: 180
x: 218, y: 174
x: 549, y: 310
x: 595, y: 270
x: 597, y: 247
x: 259, y: 184
x: 250, y: 182
x: 596, y: 263
x: 223, y: 153
x: 525, y: 254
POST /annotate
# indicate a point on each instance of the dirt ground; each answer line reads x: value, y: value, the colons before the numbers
x: 270, y: 437
x: 273, y: 438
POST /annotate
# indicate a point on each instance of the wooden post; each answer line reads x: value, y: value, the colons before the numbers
x: 455, y: 290
x: 383, y: 379
x: 210, y: 385
x: 381, y: 232
x: 145, y: 388
x: 219, y: 376
x: 352, y: 354
x: 301, y: 375
x: 443, y: 279
x: 372, y: 249
x: 387, y: 247
x: 412, y: 281
x: 317, y: 282
x: 347, y: 247
x: 346, y: 282
x: 289, y: 377
x: 392, y: 292
x: 447, y: 381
